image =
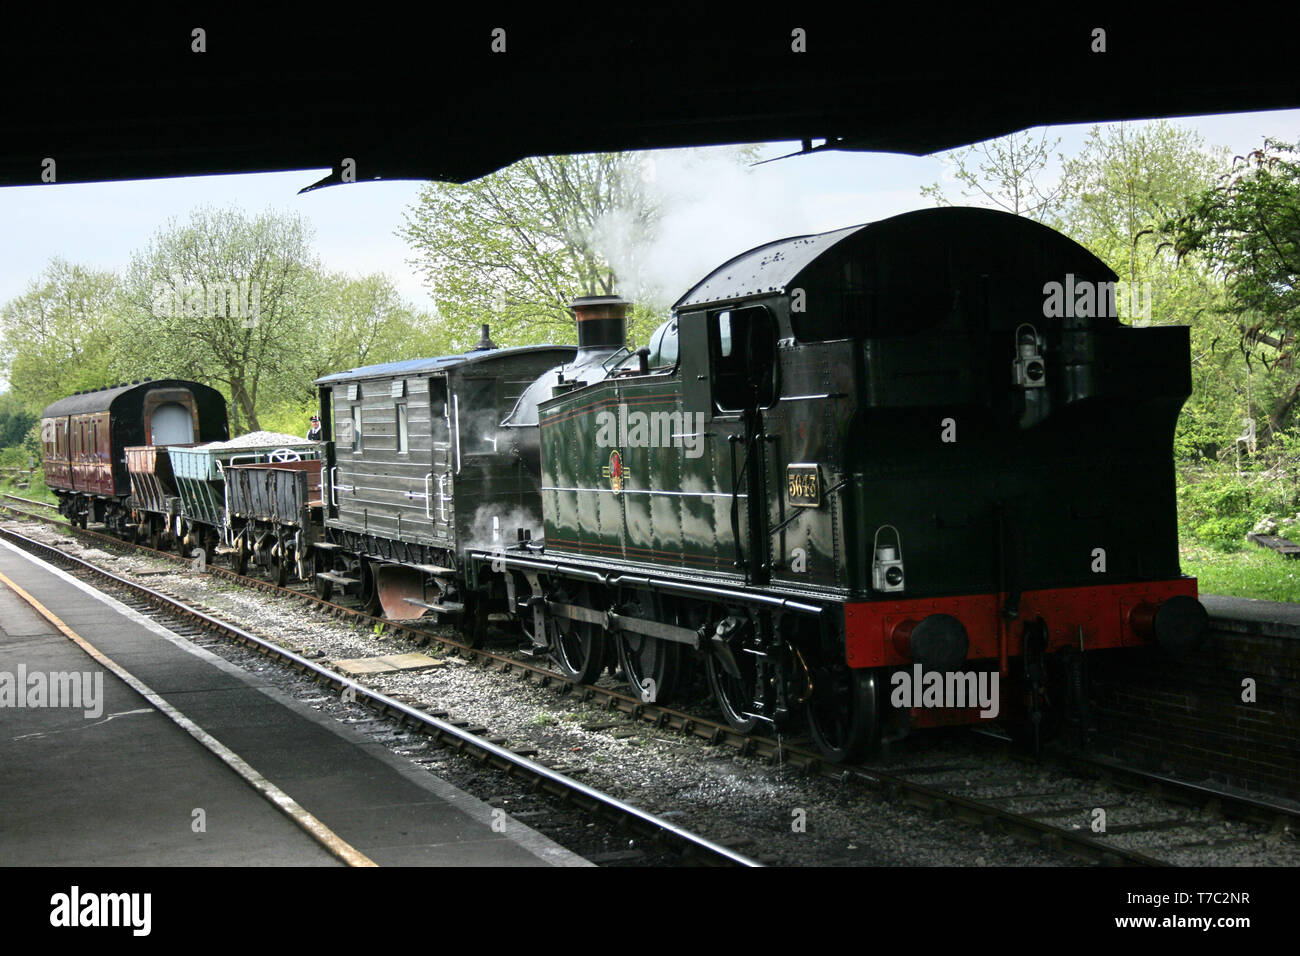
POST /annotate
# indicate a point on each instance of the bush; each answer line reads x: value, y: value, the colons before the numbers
x: 1217, y: 507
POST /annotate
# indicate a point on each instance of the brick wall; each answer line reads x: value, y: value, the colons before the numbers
x: 1187, y: 718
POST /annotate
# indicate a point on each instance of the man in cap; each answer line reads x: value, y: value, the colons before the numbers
x: 314, y: 434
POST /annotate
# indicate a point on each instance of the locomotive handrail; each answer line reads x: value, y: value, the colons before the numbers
x: 455, y: 406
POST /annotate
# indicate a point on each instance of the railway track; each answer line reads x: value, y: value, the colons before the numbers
x: 910, y: 787
x: 691, y: 846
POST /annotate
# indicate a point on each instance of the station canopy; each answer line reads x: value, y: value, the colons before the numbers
x: 423, y: 93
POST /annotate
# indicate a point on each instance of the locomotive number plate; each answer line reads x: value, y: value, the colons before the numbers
x: 803, y: 485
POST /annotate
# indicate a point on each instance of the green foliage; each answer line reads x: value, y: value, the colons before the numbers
x: 1218, y: 505
x: 1253, y: 573
x: 15, y: 420
x: 59, y: 336
x: 222, y: 299
x: 1247, y: 227
x: 514, y: 248
x: 1124, y: 186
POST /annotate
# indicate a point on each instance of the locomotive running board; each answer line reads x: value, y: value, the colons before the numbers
x: 613, y: 578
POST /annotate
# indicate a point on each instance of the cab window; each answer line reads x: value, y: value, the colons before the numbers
x: 742, y: 347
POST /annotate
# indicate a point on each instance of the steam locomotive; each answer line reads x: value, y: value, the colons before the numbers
x: 886, y: 451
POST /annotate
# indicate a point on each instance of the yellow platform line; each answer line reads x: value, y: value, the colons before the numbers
x: 285, y: 803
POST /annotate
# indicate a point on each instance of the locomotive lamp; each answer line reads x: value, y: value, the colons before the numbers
x: 887, y: 568
x: 1028, y: 369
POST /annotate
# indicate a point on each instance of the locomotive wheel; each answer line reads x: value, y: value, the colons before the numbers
x: 653, y: 667
x: 577, y: 647
x: 735, y: 696
x: 844, y: 713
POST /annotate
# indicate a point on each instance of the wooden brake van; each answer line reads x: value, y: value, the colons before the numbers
x: 419, y: 466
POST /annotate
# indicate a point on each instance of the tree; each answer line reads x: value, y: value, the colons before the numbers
x: 1247, y: 225
x: 15, y: 420
x: 365, y: 322
x: 1124, y: 186
x: 1007, y: 173
x: 223, y: 299
x: 60, y: 336
x: 514, y: 248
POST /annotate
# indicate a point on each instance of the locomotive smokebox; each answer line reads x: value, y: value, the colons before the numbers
x: 602, y: 322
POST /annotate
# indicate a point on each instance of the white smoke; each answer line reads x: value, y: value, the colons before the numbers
x: 712, y: 206
x: 495, y: 527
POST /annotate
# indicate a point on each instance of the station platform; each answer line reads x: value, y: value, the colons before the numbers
x: 113, y: 777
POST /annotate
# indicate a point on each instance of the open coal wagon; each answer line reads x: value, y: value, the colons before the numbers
x: 274, y: 513
x: 200, y: 472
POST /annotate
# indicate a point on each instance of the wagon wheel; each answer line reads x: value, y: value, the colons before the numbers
x: 321, y: 587
x: 155, y: 533
x: 280, y: 561
x: 302, y: 552
x: 369, y: 590
x: 735, y: 694
x: 577, y: 647
x: 240, y: 556
x: 474, y: 620
x: 844, y: 713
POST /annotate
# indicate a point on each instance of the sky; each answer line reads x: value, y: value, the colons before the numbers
x: 716, y: 211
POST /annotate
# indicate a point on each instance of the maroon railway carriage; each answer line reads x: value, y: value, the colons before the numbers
x: 84, y: 439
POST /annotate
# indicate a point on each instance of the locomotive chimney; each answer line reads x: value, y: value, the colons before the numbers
x: 602, y: 322
x: 484, y: 343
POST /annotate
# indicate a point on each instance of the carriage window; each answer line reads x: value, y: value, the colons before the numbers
x: 171, y: 424
x: 403, y: 441
x: 724, y: 334
x: 356, y: 427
